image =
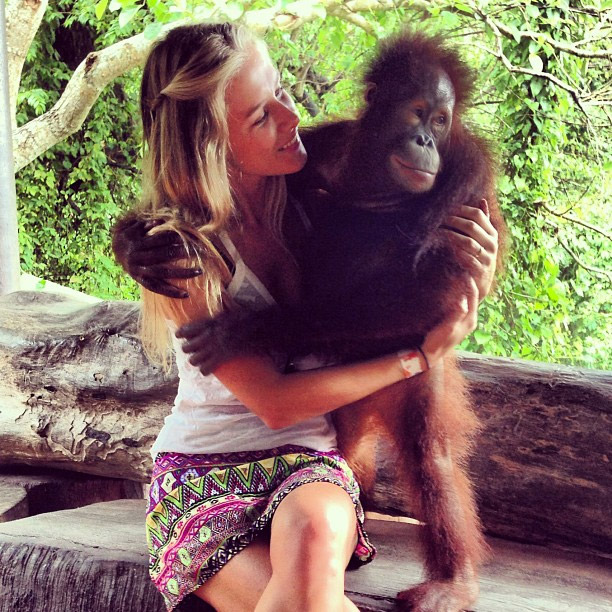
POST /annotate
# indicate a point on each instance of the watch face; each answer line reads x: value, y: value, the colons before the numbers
x: 410, y: 363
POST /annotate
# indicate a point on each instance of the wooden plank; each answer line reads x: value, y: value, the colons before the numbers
x: 518, y: 577
x: 102, y: 549
x: 92, y: 559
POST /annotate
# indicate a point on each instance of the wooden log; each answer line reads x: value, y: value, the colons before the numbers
x: 26, y: 491
x: 101, y: 549
x: 541, y: 465
x: 77, y: 392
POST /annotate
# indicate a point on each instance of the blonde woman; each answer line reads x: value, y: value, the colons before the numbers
x: 251, y: 505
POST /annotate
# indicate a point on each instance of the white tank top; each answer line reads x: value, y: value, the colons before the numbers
x: 208, y: 418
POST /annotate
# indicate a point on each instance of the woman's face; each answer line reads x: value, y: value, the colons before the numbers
x: 262, y: 121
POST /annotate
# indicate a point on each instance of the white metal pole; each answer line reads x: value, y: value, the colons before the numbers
x: 9, y: 243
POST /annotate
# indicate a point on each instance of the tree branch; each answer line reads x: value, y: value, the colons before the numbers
x: 262, y: 20
x: 343, y: 12
x: 576, y: 221
x: 594, y: 271
x: 512, y: 68
x: 67, y: 115
x: 591, y: 269
x: 572, y: 49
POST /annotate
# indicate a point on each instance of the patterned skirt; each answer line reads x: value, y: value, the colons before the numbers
x: 204, y: 509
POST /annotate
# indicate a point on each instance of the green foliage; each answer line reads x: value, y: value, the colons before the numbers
x: 69, y: 198
x: 553, y: 302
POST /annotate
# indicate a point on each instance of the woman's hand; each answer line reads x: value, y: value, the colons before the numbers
x: 460, y: 324
x: 476, y: 243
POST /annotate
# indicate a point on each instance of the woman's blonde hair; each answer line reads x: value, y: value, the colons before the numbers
x: 187, y: 158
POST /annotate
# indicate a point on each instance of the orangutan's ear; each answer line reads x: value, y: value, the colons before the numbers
x: 370, y: 93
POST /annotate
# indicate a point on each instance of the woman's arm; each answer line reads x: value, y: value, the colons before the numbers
x: 281, y: 399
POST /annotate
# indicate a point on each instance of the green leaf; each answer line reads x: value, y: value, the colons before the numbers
x: 101, y: 8
x: 151, y: 32
x: 535, y: 86
x: 481, y: 336
x: 551, y: 267
x: 553, y: 293
x: 516, y: 34
x: 204, y: 12
x: 532, y: 10
x: 520, y: 183
x: 464, y: 8
x: 504, y: 185
x: 563, y: 104
x: 127, y: 15
x: 449, y: 20
x: 536, y: 62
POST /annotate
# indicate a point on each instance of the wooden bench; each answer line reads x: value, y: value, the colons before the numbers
x: 93, y: 559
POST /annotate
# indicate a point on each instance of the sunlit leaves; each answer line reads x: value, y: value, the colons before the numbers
x: 127, y: 15
x: 101, y: 8
x: 233, y: 10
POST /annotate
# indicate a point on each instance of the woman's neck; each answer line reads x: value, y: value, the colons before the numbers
x: 251, y: 199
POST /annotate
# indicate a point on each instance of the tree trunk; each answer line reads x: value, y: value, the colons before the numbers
x: 9, y: 241
x: 23, y: 18
x: 78, y: 393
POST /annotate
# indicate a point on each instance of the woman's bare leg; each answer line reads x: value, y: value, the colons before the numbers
x: 322, y: 510
x: 313, y: 536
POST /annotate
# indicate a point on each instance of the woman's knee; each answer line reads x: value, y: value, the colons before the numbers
x: 312, y: 537
x: 318, y: 516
